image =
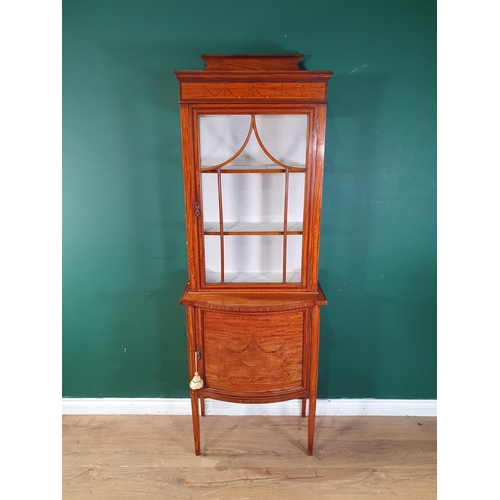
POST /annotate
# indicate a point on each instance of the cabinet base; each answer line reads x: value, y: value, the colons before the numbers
x: 254, y: 348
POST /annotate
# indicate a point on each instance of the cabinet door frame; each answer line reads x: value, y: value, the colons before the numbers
x: 190, y: 114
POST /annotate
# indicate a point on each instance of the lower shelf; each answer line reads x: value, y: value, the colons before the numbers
x: 269, y: 277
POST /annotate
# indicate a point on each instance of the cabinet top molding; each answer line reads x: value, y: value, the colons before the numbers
x: 252, y: 62
x: 251, y: 78
x: 252, y: 66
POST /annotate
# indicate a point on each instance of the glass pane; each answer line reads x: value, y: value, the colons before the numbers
x: 284, y: 137
x: 212, y: 259
x: 248, y: 155
x: 253, y: 259
x: 253, y: 198
x: 252, y: 156
x: 234, y: 140
x: 221, y: 136
x: 296, y: 201
x: 210, y: 202
x: 293, y: 258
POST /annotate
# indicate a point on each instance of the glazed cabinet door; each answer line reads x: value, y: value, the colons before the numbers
x: 253, y: 180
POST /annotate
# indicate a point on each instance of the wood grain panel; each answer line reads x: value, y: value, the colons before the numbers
x: 253, y: 352
x: 252, y: 62
x: 213, y: 91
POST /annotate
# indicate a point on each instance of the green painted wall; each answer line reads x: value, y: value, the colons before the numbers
x: 124, y: 259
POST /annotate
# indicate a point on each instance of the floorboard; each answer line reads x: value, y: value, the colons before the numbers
x: 253, y: 457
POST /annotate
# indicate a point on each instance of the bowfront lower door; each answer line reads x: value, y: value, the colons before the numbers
x: 254, y: 171
x: 255, y: 352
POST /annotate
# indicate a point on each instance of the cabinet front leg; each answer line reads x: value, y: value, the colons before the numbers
x: 196, y: 421
x: 310, y: 424
x: 313, y: 379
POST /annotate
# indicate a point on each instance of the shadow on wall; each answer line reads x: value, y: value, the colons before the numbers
x: 350, y: 323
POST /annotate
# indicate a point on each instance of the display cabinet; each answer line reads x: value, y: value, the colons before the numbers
x: 253, y: 129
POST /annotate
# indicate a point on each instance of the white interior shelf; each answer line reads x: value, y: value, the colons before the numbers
x: 242, y: 277
x: 252, y: 227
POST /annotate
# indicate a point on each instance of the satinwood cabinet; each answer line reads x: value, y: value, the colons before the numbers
x: 253, y: 129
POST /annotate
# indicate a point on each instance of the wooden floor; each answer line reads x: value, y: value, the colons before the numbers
x: 151, y: 457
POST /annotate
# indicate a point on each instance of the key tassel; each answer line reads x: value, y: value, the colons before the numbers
x: 196, y: 383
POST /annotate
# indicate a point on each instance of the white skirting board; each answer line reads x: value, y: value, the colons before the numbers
x: 182, y: 406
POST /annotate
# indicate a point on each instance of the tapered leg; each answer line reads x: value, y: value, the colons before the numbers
x: 196, y: 421
x: 195, y: 411
x: 313, y: 378
x: 310, y: 424
x: 304, y: 403
x: 202, y: 405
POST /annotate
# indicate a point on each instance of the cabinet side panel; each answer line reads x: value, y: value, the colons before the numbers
x: 253, y: 352
x: 316, y: 197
